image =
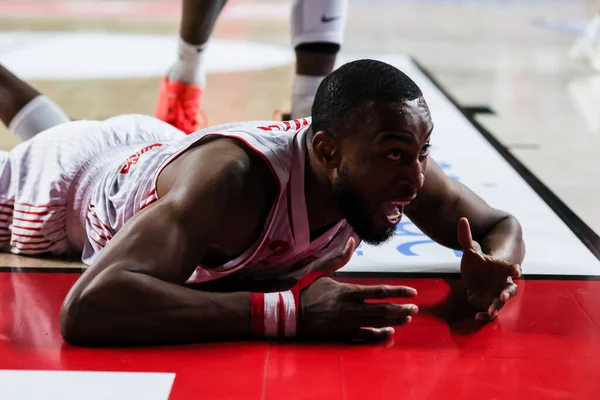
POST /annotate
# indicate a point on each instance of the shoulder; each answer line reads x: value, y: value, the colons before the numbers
x: 223, y: 178
x: 221, y: 160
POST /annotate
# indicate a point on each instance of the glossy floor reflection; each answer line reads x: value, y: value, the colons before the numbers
x: 545, y: 345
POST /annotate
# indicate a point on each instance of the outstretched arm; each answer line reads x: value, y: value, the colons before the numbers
x: 491, y: 240
x: 444, y: 201
x: 134, y: 292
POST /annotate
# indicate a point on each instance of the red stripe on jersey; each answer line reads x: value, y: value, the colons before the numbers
x: 35, y: 221
x: 98, y: 243
x: 26, y: 228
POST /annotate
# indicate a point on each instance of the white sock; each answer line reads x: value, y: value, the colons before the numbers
x: 189, y: 67
x: 303, y: 94
x: 39, y: 114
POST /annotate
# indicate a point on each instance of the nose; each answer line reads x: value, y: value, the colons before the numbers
x: 416, y: 175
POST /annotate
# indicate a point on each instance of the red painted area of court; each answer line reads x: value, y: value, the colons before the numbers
x: 545, y: 345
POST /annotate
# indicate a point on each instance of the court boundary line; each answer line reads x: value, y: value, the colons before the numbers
x: 348, y: 274
x: 582, y: 231
x: 54, y: 270
x: 457, y: 276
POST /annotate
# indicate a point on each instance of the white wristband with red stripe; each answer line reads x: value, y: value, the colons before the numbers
x: 280, y: 315
x: 276, y: 314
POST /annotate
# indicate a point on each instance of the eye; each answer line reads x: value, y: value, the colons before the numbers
x: 425, y: 150
x: 394, y: 155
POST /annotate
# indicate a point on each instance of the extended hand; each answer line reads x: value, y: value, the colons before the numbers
x: 488, y: 280
x: 335, y: 311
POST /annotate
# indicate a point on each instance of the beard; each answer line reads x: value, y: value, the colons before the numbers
x: 354, y: 208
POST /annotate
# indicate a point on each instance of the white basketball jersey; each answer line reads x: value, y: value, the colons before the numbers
x: 284, y: 248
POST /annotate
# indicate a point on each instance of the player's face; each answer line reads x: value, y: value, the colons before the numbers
x: 382, y: 167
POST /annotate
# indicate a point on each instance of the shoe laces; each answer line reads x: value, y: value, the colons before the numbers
x: 185, y: 112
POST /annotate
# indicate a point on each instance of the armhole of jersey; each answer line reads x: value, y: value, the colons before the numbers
x: 241, y: 260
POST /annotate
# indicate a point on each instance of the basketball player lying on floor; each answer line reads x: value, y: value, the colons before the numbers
x: 153, y: 210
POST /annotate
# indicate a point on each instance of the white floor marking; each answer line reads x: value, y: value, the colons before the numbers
x: 79, y: 55
x: 79, y: 385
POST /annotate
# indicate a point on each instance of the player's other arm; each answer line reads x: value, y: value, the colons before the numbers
x: 443, y: 201
x: 133, y: 293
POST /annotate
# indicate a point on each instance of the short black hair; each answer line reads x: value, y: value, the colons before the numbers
x: 344, y: 93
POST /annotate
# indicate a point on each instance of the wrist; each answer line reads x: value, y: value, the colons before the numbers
x: 277, y: 314
x: 273, y: 314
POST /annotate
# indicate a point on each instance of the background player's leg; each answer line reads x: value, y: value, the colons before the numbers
x: 197, y: 23
x: 317, y: 35
x: 24, y: 110
x: 181, y: 90
x: 314, y: 61
x: 14, y: 94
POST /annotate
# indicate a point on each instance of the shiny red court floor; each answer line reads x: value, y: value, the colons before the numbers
x: 545, y: 345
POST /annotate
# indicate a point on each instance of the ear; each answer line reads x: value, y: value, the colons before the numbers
x: 326, y: 148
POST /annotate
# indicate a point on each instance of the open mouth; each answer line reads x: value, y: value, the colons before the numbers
x: 393, y: 210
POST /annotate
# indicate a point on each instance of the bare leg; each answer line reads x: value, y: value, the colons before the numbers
x: 14, y: 95
x: 317, y: 35
x: 24, y: 110
x: 197, y: 23
x: 180, y: 97
x: 198, y: 20
x: 314, y: 63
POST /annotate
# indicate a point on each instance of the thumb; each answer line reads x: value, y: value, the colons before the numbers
x: 336, y: 261
x: 465, y: 239
x: 346, y: 254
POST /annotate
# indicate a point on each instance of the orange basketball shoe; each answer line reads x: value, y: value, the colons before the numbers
x: 179, y: 105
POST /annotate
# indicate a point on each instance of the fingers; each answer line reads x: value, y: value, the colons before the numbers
x: 373, y: 334
x: 507, y: 269
x: 378, y: 330
x: 383, y: 322
x: 509, y: 291
x: 484, y: 316
x: 381, y: 315
x: 515, y: 271
x: 389, y: 310
x: 465, y: 239
x: 381, y: 292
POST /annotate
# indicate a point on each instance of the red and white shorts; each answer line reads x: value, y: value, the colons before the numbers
x: 48, y: 182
